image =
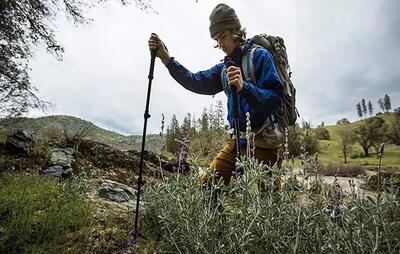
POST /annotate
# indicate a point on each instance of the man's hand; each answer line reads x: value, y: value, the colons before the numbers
x: 155, y: 43
x: 235, y: 78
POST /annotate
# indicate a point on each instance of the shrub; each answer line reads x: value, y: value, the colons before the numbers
x: 343, y: 121
x: 388, y: 182
x: 239, y: 218
x: 302, y: 137
x: 321, y: 133
x: 357, y: 155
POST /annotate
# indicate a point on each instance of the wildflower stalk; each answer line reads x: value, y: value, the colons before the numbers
x: 248, y: 135
x: 297, y: 233
x: 163, y: 145
x: 376, y: 240
x: 380, y: 155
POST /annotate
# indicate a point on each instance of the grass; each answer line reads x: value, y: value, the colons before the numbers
x: 40, y: 215
x: 330, y: 153
x: 330, y: 150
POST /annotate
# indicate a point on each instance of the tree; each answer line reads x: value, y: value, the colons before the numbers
x: 75, y: 132
x: 386, y: 103
x: 302, y: 137
x: 343, y: 121
x: 371, y: 133
x: 219, y: 114
x: 359, y: 110
x: 205, y: 137
x: 24, y: 25
x: 381, y: 104
x: 173, y: 134
x: 393, y: 133
x: 347, y: 139
x: 397, y: 111
x: 186, y: 127
x: 310, y: 143
x: 364, y: 107
x: 370, y: 108
x: 204, y: 121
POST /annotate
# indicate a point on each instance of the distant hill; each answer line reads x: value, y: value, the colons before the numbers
x: 330, y: 150
x: 51, y: 126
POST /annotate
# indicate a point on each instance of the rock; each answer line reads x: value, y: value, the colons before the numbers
x: 101, y: 214
x: 20, y: 141
x: 121, y: 199
x: 60, y: 163
x: 58, y: 172
x: 62, y: 157
x: 104, y: 156
x: 116, y: 192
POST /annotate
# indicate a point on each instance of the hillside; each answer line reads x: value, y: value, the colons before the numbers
x: 330, y: 151
x: 53, y: 126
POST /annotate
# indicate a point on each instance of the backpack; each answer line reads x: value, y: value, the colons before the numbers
x: 287, y: 116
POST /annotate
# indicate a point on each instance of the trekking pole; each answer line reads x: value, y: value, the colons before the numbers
x: 146, y: 116
x: 229, y: 62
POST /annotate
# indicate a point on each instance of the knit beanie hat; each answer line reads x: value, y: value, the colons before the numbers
x: 223, y: 18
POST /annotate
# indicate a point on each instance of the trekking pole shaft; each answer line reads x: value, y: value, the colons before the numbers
x: 146, y: 116
x: 228, y: 63
x: 236, y: 120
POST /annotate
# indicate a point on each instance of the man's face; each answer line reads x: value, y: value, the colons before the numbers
x: 226, y: 42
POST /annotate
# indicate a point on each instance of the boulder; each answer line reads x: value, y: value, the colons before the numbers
x: 58, y: 172
x: 62, y: 157
x: 113, y: 193
x: 59, y: 164
x: 20, y: 142
x: 116, y: 192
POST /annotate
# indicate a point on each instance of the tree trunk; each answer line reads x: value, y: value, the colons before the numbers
x: 366, y: 151
x: 345, y: 157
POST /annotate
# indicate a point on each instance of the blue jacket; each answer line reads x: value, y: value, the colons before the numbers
x: 260, y: 100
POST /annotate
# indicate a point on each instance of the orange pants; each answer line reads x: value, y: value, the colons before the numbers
x: 223, y: 164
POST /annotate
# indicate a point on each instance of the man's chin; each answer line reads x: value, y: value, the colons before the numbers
x: 227, y: 52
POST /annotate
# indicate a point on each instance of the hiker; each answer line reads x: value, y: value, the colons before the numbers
x: 261, y: 98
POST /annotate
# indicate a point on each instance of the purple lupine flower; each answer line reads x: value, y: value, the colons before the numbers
x: 181, y: 164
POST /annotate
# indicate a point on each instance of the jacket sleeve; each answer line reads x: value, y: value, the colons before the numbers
x: 203, y: 82
x: 266, y: 95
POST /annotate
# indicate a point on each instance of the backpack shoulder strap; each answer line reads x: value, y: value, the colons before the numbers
x: 224, y: 81
x: 248, y: 65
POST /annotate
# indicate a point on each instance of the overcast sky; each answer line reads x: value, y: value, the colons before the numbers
x: 339, y: 51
